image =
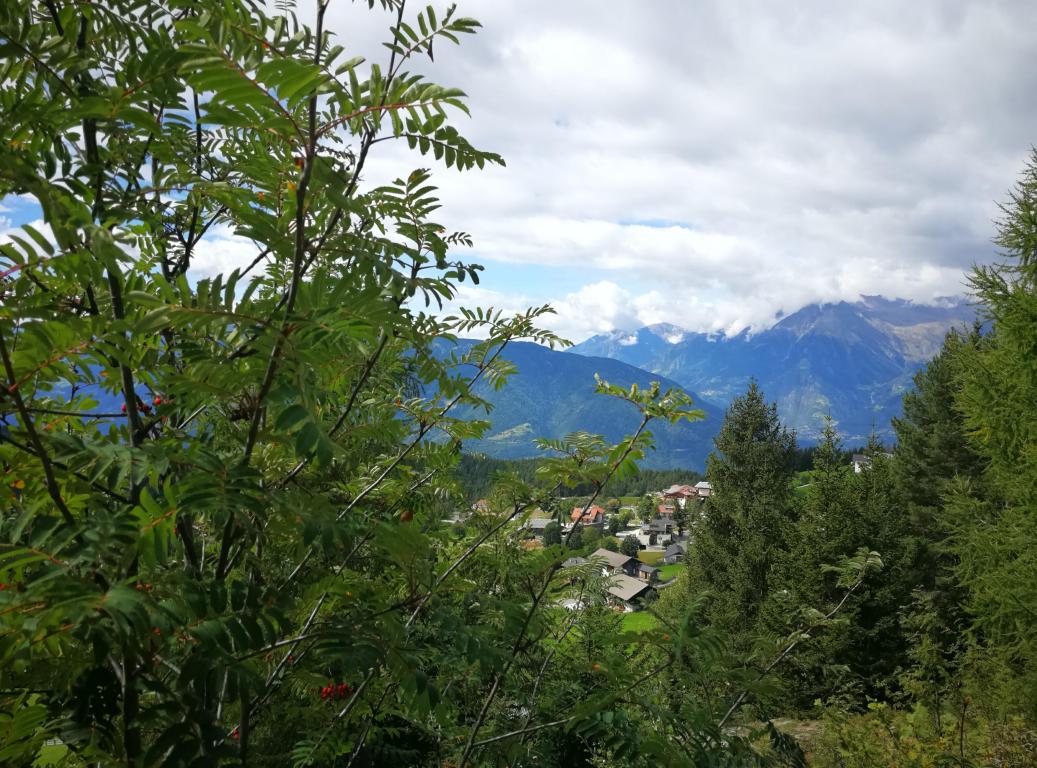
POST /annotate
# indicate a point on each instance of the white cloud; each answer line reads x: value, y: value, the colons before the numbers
x: 221, y: 251
x: 801, y: 152
x: 812, y: 151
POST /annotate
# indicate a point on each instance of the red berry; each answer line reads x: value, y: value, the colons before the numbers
x: 124, y: 407
x: 235, y: 735
x: 157, y: 401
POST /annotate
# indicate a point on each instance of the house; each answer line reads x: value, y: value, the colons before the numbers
x: 615, y: 563
x: 667, y: 509
x: 593, y: 516
x: 861, y: 461
x: 647, y: 572
x: 537, y: 526
x: 704, y: 489
x: 628, y: 591
x: 675, y: 553
x: 680, y: 494
x: 482, y: 505
x: 660, y: 525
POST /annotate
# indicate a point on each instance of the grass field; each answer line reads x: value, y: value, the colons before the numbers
x: 667, y: 572
x: 640, y: 621
x: 649, y: 557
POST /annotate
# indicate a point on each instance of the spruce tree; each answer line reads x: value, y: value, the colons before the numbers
x: 841, y: 512
x: 746, y: 525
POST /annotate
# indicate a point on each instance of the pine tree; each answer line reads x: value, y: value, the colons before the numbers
x: 841, y: 512
x: 747, y: 521
x: 932, y: 454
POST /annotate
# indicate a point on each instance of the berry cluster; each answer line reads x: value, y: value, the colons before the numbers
x: 332, y: 691
x: 144, y: 407
x: 144, y: 587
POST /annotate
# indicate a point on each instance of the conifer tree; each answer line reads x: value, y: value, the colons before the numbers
x: 993, y: 522
x: 747, y: 519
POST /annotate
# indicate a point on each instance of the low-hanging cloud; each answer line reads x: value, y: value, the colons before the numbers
x: 734, y: 160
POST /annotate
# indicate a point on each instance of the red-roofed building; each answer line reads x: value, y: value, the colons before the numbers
x: 680, y: 494
x: 595, y: 515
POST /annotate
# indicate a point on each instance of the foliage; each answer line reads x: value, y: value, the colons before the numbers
x: 552, y: 534
x: 885, y: 737
x: 993, y: 531
x: 223, y: 537
x: 840, y: 512
x: 747, y: 521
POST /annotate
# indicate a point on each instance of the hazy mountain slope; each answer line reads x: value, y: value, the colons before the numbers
x: 853, y: 360
x: 553, y: 394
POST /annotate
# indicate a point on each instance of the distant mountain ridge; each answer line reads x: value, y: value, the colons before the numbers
x: 553, y: 394
x: 851, y: 359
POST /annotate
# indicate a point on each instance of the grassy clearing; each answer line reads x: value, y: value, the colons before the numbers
x: 649, y: 557
x: 639, y: 621
x: 667, y: 572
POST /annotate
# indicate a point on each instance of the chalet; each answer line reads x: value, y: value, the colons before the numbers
x: 667, y: 509
x: 647, y: 572
x: 679, y: 494
x: 704, y: 489
x: 628, y: 591
x: 592, y: 516
x: 675, y: 553
x: 614, y: 563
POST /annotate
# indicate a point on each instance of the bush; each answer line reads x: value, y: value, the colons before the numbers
x: 885, y: 737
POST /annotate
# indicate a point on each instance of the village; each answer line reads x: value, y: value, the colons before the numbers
x: 638, y: 548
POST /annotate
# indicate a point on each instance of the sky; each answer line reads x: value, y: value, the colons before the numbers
x: 713, y: 164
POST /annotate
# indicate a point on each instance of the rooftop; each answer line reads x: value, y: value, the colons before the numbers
x: 627, y: 588
x: 591, y: 515
x: 613, y: 559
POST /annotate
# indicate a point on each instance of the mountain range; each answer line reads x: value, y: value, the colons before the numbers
x: 553, y: 394
x: 852, y: 360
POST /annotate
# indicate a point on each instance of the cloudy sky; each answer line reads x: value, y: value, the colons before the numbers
x: 712, y: 164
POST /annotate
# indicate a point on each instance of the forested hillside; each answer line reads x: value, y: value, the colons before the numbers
x: 247, y: 562
x: 551, y: 393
